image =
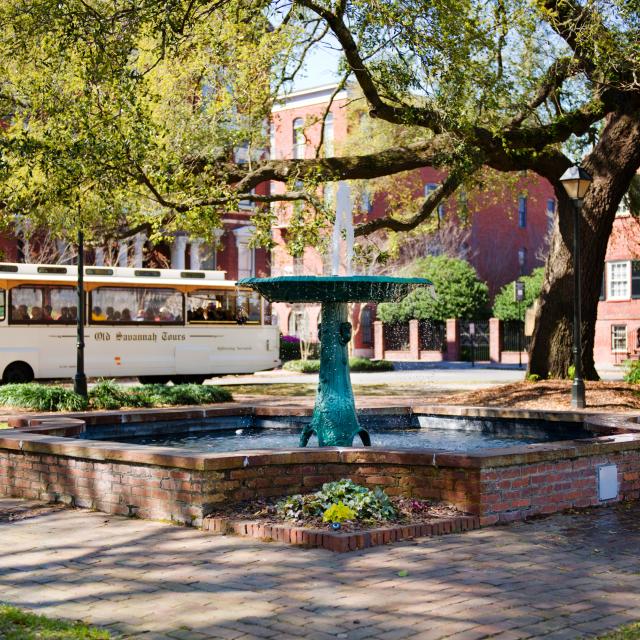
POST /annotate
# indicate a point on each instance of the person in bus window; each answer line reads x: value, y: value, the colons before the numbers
x: 117, y: 316
x: 36, y: 314
x: 165, y: 315
x: 46, y: 315
x: 150, y: 315
x: 140, y: 315
x: 110, y: 314
x: 126, y: 315
x: 65, y: 316
x: 97, y: 315
x: 241, y: 316
x: 73, y: 312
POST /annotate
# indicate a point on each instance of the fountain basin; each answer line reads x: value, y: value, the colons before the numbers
x: 497, y: 485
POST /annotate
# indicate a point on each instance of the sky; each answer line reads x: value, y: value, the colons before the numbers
x: 321, y: 68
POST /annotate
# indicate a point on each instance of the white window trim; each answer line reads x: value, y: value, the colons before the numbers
x: 610, y: 295
x: 626, y: 339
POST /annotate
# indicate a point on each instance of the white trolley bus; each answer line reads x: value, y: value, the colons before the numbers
x: 154, y: 324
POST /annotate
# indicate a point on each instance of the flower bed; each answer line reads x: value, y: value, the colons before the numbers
x: 342, y: 516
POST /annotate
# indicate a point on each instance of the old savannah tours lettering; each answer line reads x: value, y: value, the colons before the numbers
x: 164, y: 336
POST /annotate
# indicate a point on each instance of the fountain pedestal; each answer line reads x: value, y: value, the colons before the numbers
x: 334, y: 419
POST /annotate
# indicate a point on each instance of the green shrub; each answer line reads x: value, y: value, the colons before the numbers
x: 364, y: 364
x: 571, y: 372
x: 41, y: 397
x: 302, y: 366
x: 459, y: 293
x: 533, y: 377
x: 632, y: 374
x: 107, y: 394
x: 504, y: 305
x: 355, y: 364
x: 367, y: 505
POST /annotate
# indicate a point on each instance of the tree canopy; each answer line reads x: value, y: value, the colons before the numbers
x: 459, y: 293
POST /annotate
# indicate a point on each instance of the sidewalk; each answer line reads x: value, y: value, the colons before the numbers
x: 563, y: 577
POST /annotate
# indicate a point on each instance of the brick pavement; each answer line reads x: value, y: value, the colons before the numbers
x: 563, y: 577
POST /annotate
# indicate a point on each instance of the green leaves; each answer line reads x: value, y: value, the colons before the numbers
x: 506, y: 308
x: 459, y: 293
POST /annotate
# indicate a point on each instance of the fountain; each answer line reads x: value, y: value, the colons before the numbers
x: 334, y: 419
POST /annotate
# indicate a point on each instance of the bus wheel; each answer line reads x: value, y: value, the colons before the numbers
x: 153, y: 379
x: 17, y: 372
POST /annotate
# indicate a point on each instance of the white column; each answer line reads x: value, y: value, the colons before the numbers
x: 343, y: 221
x: 246, y: 254
x: 138, y: 249
x: 195, y: 258
x: 178, y: 249
x: 123, y: 253
x: 99, y: 256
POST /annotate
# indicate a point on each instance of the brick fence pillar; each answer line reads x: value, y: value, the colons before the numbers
x: 378, y: 340
x: 414, y: 339
x: 453, y: 339
x: 495, y: 339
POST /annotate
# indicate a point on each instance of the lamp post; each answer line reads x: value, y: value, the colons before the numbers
x: 576, y: 182
x: 80, y: 379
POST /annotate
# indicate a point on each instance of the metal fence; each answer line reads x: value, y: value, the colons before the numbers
x: 396, y: 337
x: 513, y: 338
x: 474, y: 340
x: 432, y: 335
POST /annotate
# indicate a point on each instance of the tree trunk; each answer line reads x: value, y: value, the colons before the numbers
x: 612, y: 163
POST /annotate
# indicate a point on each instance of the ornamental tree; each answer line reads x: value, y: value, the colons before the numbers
x: 459, y: 293
x: 504, y: 305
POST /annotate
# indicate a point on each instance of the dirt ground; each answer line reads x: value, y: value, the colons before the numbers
x: 601, y: 396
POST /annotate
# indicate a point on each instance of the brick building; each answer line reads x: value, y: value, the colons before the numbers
x: 505, y: 236
x: 618, y: 325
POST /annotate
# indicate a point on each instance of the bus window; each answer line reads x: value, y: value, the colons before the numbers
x: 135, y: 305
x: 43, y: 305
x: 223, y: 305
x: 2, y: 304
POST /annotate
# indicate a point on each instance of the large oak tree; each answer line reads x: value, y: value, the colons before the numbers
x: 123, y: 114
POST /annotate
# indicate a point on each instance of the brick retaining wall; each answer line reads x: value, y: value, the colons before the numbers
x: 164, y: 483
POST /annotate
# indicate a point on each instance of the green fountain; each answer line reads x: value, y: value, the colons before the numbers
x: 334, y: 419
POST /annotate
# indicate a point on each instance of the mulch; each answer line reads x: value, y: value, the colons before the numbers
x: 551, y: 395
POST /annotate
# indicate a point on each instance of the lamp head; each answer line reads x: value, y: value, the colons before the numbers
x: 576, y: 182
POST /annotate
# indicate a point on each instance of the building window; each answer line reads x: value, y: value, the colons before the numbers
x: 635, y: 278
x: 298, y: 139
x: 603, y: 291
x: 617, y: 280
x: 619, y: 338
x: 522, y: 212
x: 328, y: 136
x: 272, y: 140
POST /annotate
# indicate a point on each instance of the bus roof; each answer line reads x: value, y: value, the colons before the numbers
x: 14, y: 273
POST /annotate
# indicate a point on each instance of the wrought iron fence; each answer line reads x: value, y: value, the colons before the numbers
x: 432, y: 335
x: 513, y: 338
x: 396, y: 337
x: 474, y: 340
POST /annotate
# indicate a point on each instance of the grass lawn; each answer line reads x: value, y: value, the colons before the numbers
x: 632, y: 632
x: 20, y: 625
x: 301, y: 389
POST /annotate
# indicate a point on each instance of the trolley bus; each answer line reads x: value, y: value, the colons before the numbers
x: 154, y: 324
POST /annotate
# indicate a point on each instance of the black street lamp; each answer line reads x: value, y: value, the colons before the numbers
x: 576, y: 182
x: 80, y: 379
